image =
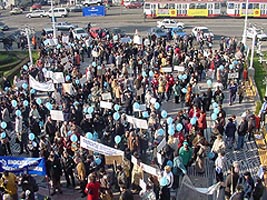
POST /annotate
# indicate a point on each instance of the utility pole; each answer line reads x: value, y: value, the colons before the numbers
x: 53, y: 21
x: 27, y: 30
x: 244, y: 38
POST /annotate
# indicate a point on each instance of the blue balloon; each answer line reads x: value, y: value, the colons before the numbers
x: 180, y: 77
x: 6, y: 89
x: 214, y: 105
x: 24, y: 86
x: 69, y: 133
x: 209, y: 82
x: 116, y: 116
x: 25, y: 67
x: 116, y: 107
x: 171, y: 131
x: 144, y: 74
x: 77, y: 81
x: 41, y: 123
x: 184, y: 77
x: 49, y: 106
x: 89, y: 135
x: 3, y: 135
x: 214, y: 116
x: 184, y: 90
x: 163, y: 181
x: 221, y: 68
x: 95, y: 136
x: 160, y: 132
x: 151, y: 73
x: 31, y: 136
x: 170, y: 163
x: 211, y: 155
x: 145, y: 114
x: 231, y: 67
x: 117, y: 139
x: 90, y: 110
x: 169, y: 120
x: 235, y: 62
x: 3, y: 125
x: 14, y: 103
x: 98, y: 161
x: 157, y: 105
x: 85, y: 110
x: 76, y: 103
x: 38, y: 101
x: 136, y: 105
x: 18, y: 113
x: 164, y: 114
x: 94, y: 64
x: 73, y: 138
x: 193, y: 120
x: 216, y: 110
x: 32, y: 91
x: 67, y: 77
x: 179, y: 127
x: 25, y: 103
x: 58, y: 46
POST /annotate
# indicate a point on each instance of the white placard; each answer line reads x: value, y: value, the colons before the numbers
x: 142, y: 184
x: 142, y: 107
x: 105, y: 104
x: 130, y: 119
x: 161, y: 144
x: 166, y: 69
x: 68, y: 88
x: 179, y: 68
x: 57, y: 115
x: 94, y: 53
x: 58, y: 77
x: 153, y: 100
x: 134, y: 160
x: 48, y: 74
x: 137, y: 39
x: 106, y: 96
x: 148, y: 169
x: 99, y: 148
x: 64, y: 60
x: 159, y: 158
x: 141, y: 123
x: 233, y: 75
x: 65, y: 39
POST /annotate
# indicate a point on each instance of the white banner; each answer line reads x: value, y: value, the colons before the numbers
x: 106, y: 96
x: 146, y: 168
x: 233, y: 75
x: 48, y: 74
x: 57, y: 115
x: 138, y: 123
x: 166, y: 69
x: 99, y: 148
x: 45, y: 87
x: 105, y: 104
x: 179, y: 68
x: 58, y: 77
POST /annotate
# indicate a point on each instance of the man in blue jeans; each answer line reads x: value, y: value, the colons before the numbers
x: 241, y: 131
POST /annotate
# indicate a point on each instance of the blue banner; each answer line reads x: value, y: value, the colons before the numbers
x: 20, y: 165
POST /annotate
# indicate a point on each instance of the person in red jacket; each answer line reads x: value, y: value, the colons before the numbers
x: 92, y: 188
x: 202, y: 122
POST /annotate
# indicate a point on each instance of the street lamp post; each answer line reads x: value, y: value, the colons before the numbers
x: 27, y: 30
x: 253, y: 48
x: 53, y: 20
x: 244, y: 38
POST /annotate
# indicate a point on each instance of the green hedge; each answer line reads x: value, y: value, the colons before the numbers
x: 260, y: 74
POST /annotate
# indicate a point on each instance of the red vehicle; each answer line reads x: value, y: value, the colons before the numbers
x: 97, y: 32
x: 133, y: 4
x: 36, y: 6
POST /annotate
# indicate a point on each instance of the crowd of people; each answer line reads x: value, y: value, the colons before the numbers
x: 138, y: 80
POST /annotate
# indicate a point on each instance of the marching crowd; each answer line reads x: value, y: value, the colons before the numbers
x: 139, y: 79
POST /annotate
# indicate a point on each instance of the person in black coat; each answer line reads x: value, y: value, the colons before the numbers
x: 68, y: 166
x: 230, y: 132
x: 126, y: 194
x: 242, y: 131
x: 239, y: 194
x: 258, y: 190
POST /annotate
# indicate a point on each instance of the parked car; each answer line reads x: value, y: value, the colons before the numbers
x: 95, y: 32
x: 76, y: 8
x: 202, y: 29
x: 80, y: 33
x: 92, y: 3
x: 3, y: 27
x: 58, y: 12
x: 169, y: 23
x: 36, y: 13
x: 133, y: 4
x: 178, y: 33
x: 2, y: 36
x: 259, y: 34
x: 16, y: 11
x: 36, y: 6
x: 155, y: 33
x: 65, y: 26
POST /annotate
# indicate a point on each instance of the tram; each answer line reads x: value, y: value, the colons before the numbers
x: 256, y: 8
x: 182, y: 8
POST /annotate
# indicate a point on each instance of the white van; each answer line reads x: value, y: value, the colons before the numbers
x: 58, y: 12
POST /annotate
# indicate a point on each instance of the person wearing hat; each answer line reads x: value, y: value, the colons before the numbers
x: 230, y: 133
x: 186, y: 154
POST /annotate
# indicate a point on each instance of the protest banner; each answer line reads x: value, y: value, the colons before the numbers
x: 161, y: 144
x: 109, y: 160
x: 65, y: 39
x: 142, y: 184
x: 159, y: 158
x: 146, y: 168
x: 99, y: 148
x: 20, y: 165
x: 166, y: 69
x: 68, y: 88
x: 57, y: 115
x: 105, y: 104
x: 179, y: 68
x: 48, y: 74
x: 233, y: 75
x: 133, y: 160
x: 58, y: 77
x: 45, y: 86
x: 106, y: 96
